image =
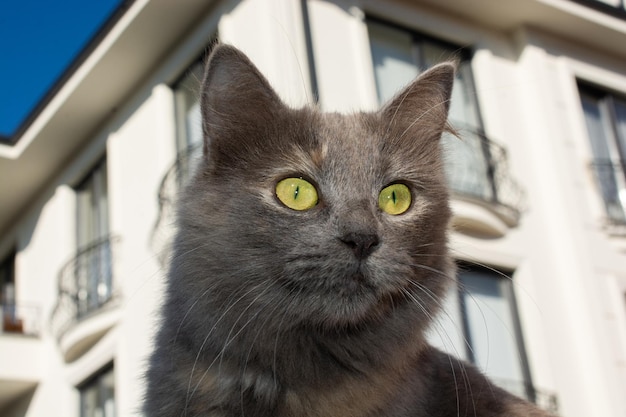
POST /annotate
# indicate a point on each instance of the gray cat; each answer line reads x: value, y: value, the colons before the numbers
x: 310, y: 259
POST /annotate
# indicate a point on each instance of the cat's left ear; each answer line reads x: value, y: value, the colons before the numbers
x: 423, y: 105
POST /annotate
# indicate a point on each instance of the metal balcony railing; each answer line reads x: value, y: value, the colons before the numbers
x: 20, y: 319
x: 179, y: 174
x: 85, y: 284
x: 611, y: 180
x: 477, y: 168
x: 172, y: 183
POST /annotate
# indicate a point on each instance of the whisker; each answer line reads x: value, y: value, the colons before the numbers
x: 198, y: 298
x: 258, y: 332
x: 206, y: 338
x: 441, y: 335
x: 229, y: 339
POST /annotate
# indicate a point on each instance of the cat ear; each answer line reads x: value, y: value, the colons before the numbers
x: 237, y: 102
x: 423, y: 105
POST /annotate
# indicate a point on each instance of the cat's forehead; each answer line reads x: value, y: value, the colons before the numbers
x: 330, y: 149
x: 341, y: 148
x: 347, y: 138
x: 345, y: 144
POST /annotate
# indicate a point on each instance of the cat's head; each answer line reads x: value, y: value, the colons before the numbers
x: 309, y: 218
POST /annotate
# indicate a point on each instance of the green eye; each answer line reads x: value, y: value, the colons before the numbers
x: 296, y: 193
x: 394, y: 199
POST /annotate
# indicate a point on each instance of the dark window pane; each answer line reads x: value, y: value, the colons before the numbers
x: 620, y: 128
x: 605, y: 117
x: 97, y: 396
x: 595, y: 128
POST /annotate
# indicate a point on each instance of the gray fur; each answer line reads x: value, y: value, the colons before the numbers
x: 272, y: 312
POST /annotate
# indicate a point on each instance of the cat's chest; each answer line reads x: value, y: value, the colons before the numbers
x: 374, y: 395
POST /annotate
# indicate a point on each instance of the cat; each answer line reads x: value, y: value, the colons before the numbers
x: 310, y: 259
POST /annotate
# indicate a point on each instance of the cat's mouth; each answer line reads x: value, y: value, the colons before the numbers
x: 361, y: 297
x: 358, y: 278
x: 353, y: 288
x: 340, y: 291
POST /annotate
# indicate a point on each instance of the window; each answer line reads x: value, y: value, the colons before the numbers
x: 605, y: 116
x: 7, y: 295
x: 492, y: 328
x: 7, y: 280
x: 97, y: 395
x: 398, y: 56
x: 189, y: 141
x: 480, y: 324
x: 189, y: 120
x: 92, y: 206
x: 92, y: 269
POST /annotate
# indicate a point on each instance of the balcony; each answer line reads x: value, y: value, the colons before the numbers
x: 87, y: 301
x: 20, y: 320
x: 20, y: 352
x: 611, y: 179
x: 487, y: 200
x: 173, y: 181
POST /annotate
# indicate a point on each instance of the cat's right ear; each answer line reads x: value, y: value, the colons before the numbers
x: 421, y: 108
x: 237, y: 104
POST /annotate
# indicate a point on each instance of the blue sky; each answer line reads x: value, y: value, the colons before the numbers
x: 39, y: 39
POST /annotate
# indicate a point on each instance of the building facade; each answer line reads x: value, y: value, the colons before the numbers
x: 538, y: 180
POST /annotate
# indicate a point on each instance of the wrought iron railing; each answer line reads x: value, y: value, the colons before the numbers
x: 172, y: 183
x: 477, y: 168
x: 179, y: 173
x: 611, y: 180
x: 20, y: 319
x: 85, y: 284
x: 546, y: 400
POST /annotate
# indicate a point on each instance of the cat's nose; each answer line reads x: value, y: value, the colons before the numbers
x: 362, y: 244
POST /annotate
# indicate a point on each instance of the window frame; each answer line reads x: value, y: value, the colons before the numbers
x: 614, y: 163
x: 505, y: 283
x: 8, y: 299
x: 457, y: 328
x: 188, y: 151
x: 462, y: 55
x: 93, y: 271
x: 97, y: 382
x: 187, y: 84
x: 92, y: 225
x: 7, y: 276
x: 481, y: 174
